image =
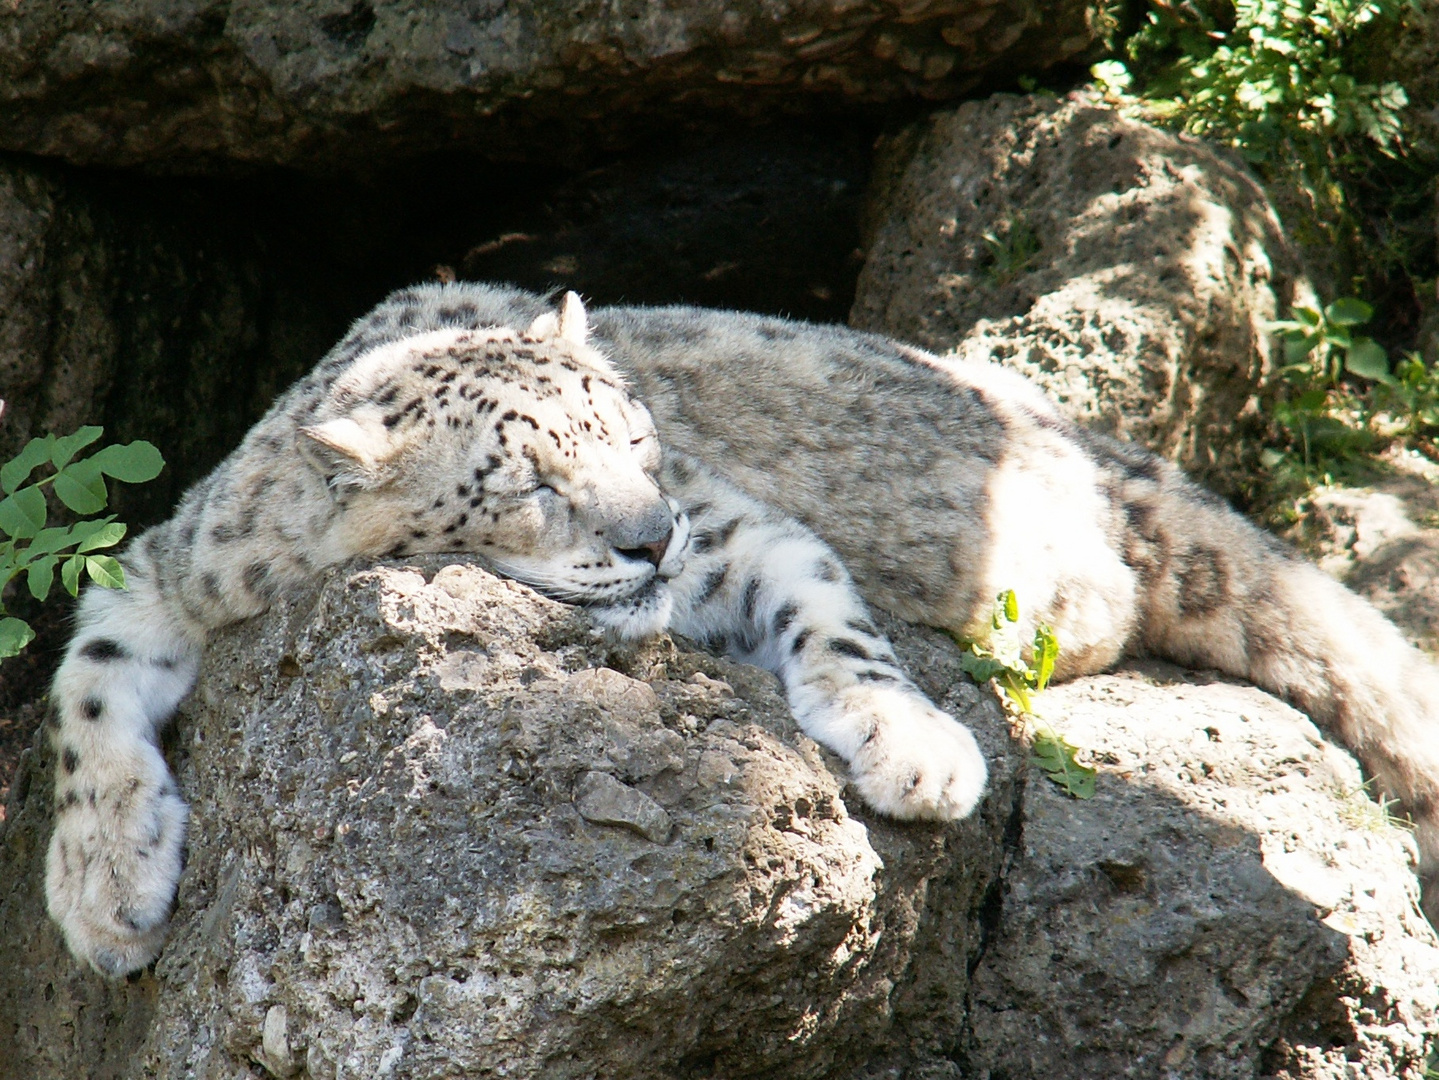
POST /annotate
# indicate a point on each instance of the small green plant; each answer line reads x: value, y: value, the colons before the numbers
x: 1327, y: 420
x: 1413, y: 394
x: 36, y: 550
x: 999, y: 657
x: 1297, y: 87
x: 1010, y: 253
x: 1321, y: 346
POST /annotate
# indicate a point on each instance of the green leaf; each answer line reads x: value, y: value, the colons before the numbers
x: 1046, y: 652
x: 105, y: 571
x: 81, y: 487
x: 1367, y: 358
x: 70, y: 574
x: 1016, y: 685
x: 14, y: 636
x: 16, y: 472
x: 1112, y: 75
x: 40, y: 575
x: 981, y: 668
x: 1349, y: 312
x: 1056, y: 758
x: 23, y: 514
x: 66, y: 446
x: 133, y: 463
x: 107, y: 535
x: 1309, y: 315
x: 1010, y: 602
x: 1296, y: 348
x: 51, y: 539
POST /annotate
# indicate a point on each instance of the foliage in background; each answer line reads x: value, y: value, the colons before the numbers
x: 999, y: 656
x: 35, y: 550
x: 1301, y: 89
x: 1276, y: 79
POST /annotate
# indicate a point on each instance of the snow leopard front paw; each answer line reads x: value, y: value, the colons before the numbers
x: 114, y: 861
x: 915, y: 761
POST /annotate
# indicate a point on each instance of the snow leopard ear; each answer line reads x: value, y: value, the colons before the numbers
x: 569, y: 324
x: 349, y: 453
x: 545, y: 326
x: 574, y: 324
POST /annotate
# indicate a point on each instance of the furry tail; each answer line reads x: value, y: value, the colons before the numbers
x: 1224, y: 594
x: 116, y: 853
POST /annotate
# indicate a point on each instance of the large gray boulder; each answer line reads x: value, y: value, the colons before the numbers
x: 442, y: 829
x: 1128, y: 271
x: 209, y: 84
x: 437, y: 831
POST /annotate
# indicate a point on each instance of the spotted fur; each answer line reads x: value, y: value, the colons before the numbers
x: 916, y: 484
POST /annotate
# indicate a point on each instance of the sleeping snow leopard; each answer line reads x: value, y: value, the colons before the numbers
x: 472, y: 418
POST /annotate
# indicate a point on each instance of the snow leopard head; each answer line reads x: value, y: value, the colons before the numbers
x: 521, y: 447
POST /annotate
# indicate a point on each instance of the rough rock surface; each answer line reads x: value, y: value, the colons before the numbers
x: 1127, y: 271
x: 1230, y: 904
x: 1382, y: 540
x: 434, y: 836
x: 206, y: 84
x: 442, y: 829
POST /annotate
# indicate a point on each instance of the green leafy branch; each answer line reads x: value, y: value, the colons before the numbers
x: 29, y: 546
x: 999, y: 657
x: 1413, y: 394
x: 1341, y: 401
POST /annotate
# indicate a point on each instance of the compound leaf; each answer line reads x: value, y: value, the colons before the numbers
x: 67, y: 446
x: 16, y: 472
x: 1056, y: 758
x: 981, y: 668
x: 107, y: 535
x: 1366, y: 358
x: 48, y: 540
x: 40, y: 574
x: 1348, y: 312
x: 1046, y: 652
x: 70, y: 574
